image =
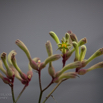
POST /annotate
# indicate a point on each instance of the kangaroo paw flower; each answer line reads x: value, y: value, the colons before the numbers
x: 54, y: 36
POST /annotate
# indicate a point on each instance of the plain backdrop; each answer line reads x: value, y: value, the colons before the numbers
x: 31, y: 21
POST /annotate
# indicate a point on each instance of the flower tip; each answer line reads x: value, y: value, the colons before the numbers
x: 70, y: 32
x: 17, y: 41
x: 85, y: 40
x: 3, y: 55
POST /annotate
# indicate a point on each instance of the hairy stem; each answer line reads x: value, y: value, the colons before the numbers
x: 21, y: 93
x: 48, y: 85
x: 12, y: 90
x: 52, y: 91
x: 40, y: 96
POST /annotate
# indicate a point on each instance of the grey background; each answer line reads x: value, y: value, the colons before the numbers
x: 31, y: 21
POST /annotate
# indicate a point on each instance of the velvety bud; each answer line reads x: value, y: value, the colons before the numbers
x: 10, y: 73
x: 17, y: 75
x: 33, y: 64
x: 98, y: 65
x: 82, y: 42
x: 49, y: 48
x: 65, y: 76
x: 83, y: 52
x: 9, y: 57
x: 24, y: 48
x: 29, y: 74
x: 51, y: 71
x: 75, y: 45
x: 5, y: 80
x: 82, y: 71
x: 99, y: 52
x: 54, y: 36
x: 52, y: 58
x: 68, y: 54
x: 13, y: 60
x: 2, y: 69
x: 73, y: 37
x: 63, y: 39
x: 36, y: 59
x: 68, y: 75
x: 41, y: 66
x: 68, y: 39
x: 73, y: 65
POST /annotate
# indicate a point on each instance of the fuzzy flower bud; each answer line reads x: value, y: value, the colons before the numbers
x: 67, y: 37
x: 83, y: 52
x: 9, y: 57
x: 5, y: 80
x: 82, y: 42
x: 29, y: 74
x: 99, y: 52
x: 51, y: 70
x: 24, y: 48
x: 54, y: 36
x: 52, y: 58
x: 2, y: 69
x: 73, y: 36
x: 49, y: 48
x: 13, y: 59
x: 98, y: 65
x: 82, y: 71
x: 73, y: 65
x: 36, y: 59
x: 68, y: 75
x: 65, y: 76
x: 10, y: 73
x: 75, y: 45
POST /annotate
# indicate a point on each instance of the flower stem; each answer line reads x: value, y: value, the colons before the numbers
x: 12, y: 90
x: 21, y: 93
x: 52, y: 91
x: 48, y: 85
x: 41, y: 92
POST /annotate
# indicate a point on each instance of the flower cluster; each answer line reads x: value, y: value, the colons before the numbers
x: 69, y: 44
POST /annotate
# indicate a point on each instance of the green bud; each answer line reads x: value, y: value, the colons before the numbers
x: 51, y: 70
x: 83, y: 52
x: 2, y: 69
x: 9, y: 57
x: 17, y: 75
x: 10, y: 73
x: 11, y: 65
x: 98, y: 65
x: 75, y: 45
x: 63, y: 39
x: 73, y: 65
x: 68, y: 75
x: 24, y: 48
x: 54, y: 36
x: 69, y: 53
x: 13, y: 59
x: 99, y: 52
x: 49, y: 48
x: 68, y: 39
x: 82, y: 42
x: 52, y: 58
